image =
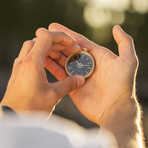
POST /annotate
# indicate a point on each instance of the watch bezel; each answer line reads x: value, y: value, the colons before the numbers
x: 86, y: 53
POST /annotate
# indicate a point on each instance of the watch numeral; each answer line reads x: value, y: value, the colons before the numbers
x: 87, y: 58
x: 82, y: 55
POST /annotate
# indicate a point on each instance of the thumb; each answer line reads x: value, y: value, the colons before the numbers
x: 124, y: 41
x: 68, y: 84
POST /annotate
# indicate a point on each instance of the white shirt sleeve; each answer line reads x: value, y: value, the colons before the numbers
x: 55, y: 133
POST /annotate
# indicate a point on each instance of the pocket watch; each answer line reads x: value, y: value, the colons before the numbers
x: 81, y: 63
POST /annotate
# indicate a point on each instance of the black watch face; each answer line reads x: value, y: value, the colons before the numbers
x: 80, y: 64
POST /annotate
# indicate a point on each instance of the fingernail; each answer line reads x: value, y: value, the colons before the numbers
x: 77, y: 46
x: 80, y: 80
x: 119, y: 27
x: 71, y: 37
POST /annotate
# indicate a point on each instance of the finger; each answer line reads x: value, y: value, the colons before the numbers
x: 42, y: 46
x: 59, y: 37
x: 72, y: 49
x: 65, y: 50
x: 58, y: 57
x: 38, y: 31
x: 80, y: 40
x: 95, y: 50
x: 27, y: 46
x: 34, y: 39
x: 58, y: 47
x: 68, y: 84
x: 124, y: 41
x: 55, y: 69
x: 61, y: 61
x: 68, y: 52
x: 62, y: 38
x: 55, y: 55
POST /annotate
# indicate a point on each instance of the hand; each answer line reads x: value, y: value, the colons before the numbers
x: 112, y: 82
x: 28, y: 88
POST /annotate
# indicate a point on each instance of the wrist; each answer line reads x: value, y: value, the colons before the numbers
x: 24, y: 109
x: 123, y: 120
x: 122, y: 110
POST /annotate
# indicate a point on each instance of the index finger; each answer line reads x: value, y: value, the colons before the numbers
x: 59, y: 37
x: 45, y: 39
x: 42, y: 45
x: 80, y: 39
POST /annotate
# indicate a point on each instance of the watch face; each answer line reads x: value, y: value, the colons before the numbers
x: 80, y: 64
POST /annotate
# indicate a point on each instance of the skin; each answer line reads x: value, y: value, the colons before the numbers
x: 28, y: 88
x: 108, y: 97
x: 110, y: 70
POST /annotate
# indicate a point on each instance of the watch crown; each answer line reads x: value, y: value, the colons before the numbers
x: 85, y: 49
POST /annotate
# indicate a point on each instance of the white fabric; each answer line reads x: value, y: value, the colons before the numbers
x: 54, y: 133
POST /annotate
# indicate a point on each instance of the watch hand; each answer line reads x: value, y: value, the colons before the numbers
x: 85, y: 65
x: 77, y: 62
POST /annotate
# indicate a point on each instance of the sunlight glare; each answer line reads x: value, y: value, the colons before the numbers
x: 96, y: 17
x: 117, y: 18
x: 141, y: 6
x: 115, y: 5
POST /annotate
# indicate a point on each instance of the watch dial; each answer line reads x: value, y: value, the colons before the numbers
x: 80, y: 64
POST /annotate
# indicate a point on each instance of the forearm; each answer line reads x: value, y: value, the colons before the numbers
x: 124, y: 122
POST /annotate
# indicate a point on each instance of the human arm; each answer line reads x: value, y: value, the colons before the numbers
x: 108, y: 97
x: 28, y: 88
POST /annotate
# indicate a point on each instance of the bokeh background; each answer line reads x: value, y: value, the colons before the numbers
x: 19, y: 20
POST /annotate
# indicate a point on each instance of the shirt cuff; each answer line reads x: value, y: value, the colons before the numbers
x: 6, y: 111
